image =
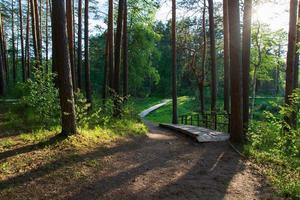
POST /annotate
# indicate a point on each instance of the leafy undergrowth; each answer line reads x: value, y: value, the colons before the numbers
x: 29, y: 158
x: 283, y: 172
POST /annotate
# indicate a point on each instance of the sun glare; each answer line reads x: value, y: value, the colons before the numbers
x: 273, y: 14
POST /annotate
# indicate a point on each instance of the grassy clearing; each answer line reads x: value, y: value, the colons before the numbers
x: 164, y: 115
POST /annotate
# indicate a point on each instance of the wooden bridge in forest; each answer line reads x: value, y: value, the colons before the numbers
x: 204, y: 127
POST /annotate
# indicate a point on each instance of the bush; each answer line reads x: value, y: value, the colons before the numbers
x: 276, y: 145
x: 42, y: 97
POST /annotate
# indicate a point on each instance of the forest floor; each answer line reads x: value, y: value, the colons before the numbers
x: 159, y: 165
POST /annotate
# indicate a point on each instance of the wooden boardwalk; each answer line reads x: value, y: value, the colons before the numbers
x: 198, y: 133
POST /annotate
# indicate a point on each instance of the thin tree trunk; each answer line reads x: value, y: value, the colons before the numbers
x: 6, y: 66
x: 278, y: 71
x: 125, y: 51
x: 22, y: 40
x: 34, y: 32
x: 291, y: 54
x: 237, y: 134
x: 2, y: 68
x: 79, y: 46
x: 203, y: 61
x: 47, y: 37
x: 13, y: 42
x: 38, y: 30
x: 27, y: 53
x: 69, y: 8
x: 62, y: 62
x: 105, y: 79
x: 118, y: 47
x: 174, y: 65
x: 111, y: 43
x: 246, y: 60
x: 88, y: 88
x: 226, y: 56
x: 254, y: 91
x: 213, y: 56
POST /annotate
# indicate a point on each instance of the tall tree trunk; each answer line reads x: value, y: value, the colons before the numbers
x: 278, y: 71
x: 62, y: 62
x: 34, y: 32
x: 5, y: 59
x: 296, y: 77
x: 88, y: 88
x: 22, y: 40
x: 237, y: 134
x: 125, y: 51
x: 174, y: 65
x: 254, y: 91
x: 27, y: 47
x: 47, y: 37
x: 2, y: 68
x: 213, y: 56
x: 111, y: 43
x: 69, y: 9
x: 38, y: 30
x: 226, y: 56
x: 13, y: 42
x: 79, y: 46
x: 291, y: 54
x: 105, y: 74
x: 246, y: 60
x: 118, y: 47
x: 203, y: 61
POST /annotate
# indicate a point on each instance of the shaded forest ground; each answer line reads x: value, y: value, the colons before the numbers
x: 100, y: 165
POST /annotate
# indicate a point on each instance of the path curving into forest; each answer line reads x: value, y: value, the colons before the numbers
x: 165, y: 165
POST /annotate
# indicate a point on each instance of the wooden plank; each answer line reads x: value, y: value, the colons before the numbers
x: 198, y: 133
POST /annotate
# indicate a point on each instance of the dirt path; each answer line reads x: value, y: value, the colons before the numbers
x: 165, y: 165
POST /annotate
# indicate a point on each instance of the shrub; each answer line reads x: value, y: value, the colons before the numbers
x: 42, y: 97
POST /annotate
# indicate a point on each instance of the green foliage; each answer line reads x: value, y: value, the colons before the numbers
x: 88, y: 116
x: 42, y: 97
x: 275, y: 142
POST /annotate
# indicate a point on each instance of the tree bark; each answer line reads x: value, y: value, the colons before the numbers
x: 296, y: 77
x: 174, y: 66
x: 22, y: 41
x: 13, y: 43
x: 88, y: 88
x: 105, y: 79
x: 125, y: 51
x: 226, y: 56
x: 111, y: 43
x: 47, y: 37
x: 291, y: 54
x: 237, y: 134
x: 38, y: 30
x: 27, y: 47
x: 2, y: 68
x: 69, y: 8
x: 62, y: 62
x: 79, y: 46
x: 5, y: 56
x: 213, y: 56
x: 34, y: 32
x: 246, y: 60
x: 203, y: 61
x: 118, y: 47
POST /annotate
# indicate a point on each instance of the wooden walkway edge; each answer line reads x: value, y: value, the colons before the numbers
x: 202, y: 135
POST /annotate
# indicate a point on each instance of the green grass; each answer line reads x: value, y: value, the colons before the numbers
x: 164, y: 114
x: 140, y: 104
